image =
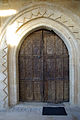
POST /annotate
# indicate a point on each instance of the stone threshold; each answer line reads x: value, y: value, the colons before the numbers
x: 35, y: 108
x: 31, y: 107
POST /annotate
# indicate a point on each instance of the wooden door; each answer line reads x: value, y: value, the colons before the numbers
x: 56, y: 69
x: 31, y: 68
x: 43, y: 68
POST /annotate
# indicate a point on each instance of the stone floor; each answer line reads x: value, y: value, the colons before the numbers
x: 33, y: 111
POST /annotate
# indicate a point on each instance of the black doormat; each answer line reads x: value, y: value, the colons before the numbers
x: 54, y: 111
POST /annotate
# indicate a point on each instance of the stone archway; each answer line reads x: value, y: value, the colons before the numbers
x: 13, y: 53
x: 35, y: 16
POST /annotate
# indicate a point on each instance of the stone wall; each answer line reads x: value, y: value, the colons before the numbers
x: 53, y: 15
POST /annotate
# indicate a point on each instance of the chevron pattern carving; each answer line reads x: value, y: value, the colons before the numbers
x: 5, y: 81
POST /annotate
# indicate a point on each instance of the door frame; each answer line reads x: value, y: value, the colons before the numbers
x: 69, y: 41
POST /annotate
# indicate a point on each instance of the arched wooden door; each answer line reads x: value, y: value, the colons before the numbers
x: 43, y: 68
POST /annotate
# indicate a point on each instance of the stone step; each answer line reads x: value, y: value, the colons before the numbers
x: 33, y: 111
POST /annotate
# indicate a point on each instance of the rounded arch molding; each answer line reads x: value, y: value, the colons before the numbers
x: 25, y: 22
